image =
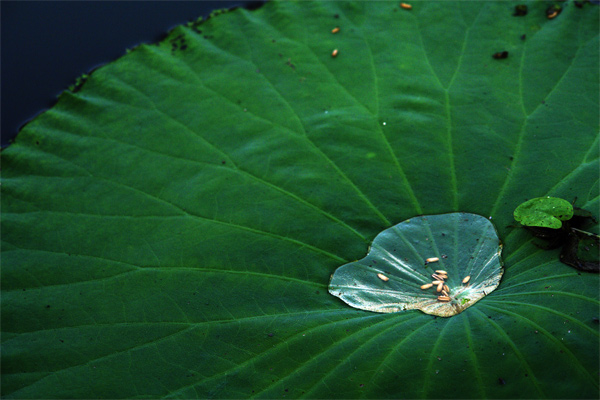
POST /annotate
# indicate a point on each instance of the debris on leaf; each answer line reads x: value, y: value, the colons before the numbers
x: 500, y: 55
x: 520, y: 10
x: 553, y: 11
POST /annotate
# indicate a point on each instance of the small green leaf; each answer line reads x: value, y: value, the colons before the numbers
x: 395, y: 274
x: 546, y: 212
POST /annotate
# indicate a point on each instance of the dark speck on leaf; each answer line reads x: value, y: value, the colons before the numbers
x: 500, y: 55
x: 523, y: 37
x: 520, y: 10
x: 270, y: 334
x: 596, y: 320
x: 184, y: 47
x: 501, y: 381
x: 223, y: 162
x: 336, y: 16
x: 48, y: 306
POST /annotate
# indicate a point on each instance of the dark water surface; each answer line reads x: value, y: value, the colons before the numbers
x: 47, y: 45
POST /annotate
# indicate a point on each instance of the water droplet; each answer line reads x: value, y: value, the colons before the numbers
x: 408, y: 286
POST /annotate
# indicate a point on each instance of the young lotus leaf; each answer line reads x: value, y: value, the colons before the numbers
x: 546, y: 212
x: 403, y: 258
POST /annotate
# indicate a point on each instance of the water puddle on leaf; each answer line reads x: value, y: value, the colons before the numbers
x: 391, y: 276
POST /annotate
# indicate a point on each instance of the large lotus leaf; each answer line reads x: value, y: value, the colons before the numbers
x: 169, y: 228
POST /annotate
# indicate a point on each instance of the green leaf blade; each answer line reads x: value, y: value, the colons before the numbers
x: 181, y: 214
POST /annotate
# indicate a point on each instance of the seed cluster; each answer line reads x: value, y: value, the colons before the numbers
x: 439, y: 281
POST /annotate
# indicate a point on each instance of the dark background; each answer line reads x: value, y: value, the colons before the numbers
x: 46, y: 45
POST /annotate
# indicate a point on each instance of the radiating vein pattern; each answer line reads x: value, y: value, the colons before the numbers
x: 169, y: 229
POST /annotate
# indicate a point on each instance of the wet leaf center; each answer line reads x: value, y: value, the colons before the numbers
x: 439, y: 264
